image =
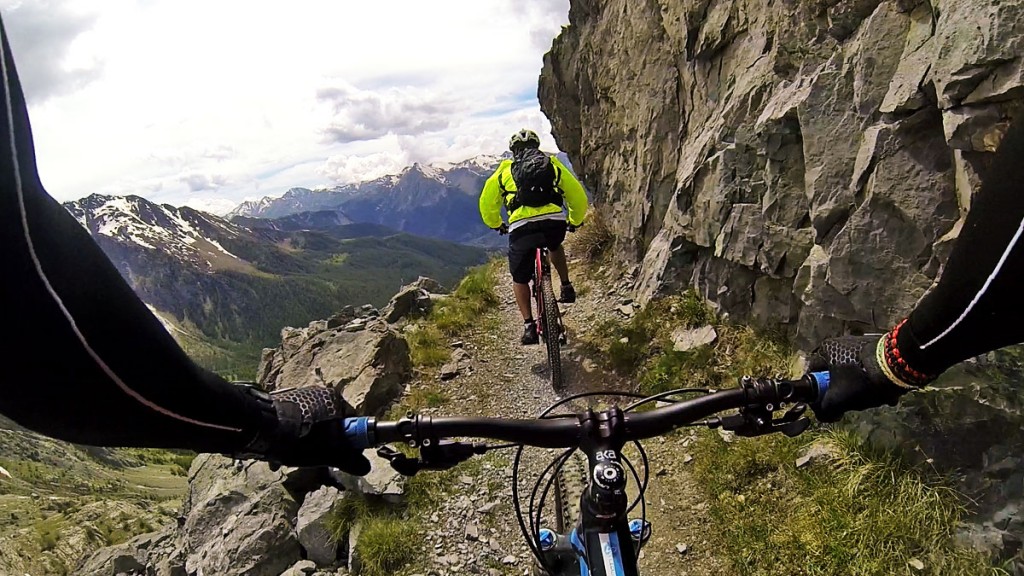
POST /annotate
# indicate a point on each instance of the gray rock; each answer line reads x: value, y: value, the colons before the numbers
x: 158, y: 550
x: 801, y: 129
x: 411, y: 301
x: 238, y: 520
x: 355, y: 563
x: 369, y: 366
x: 356, y: 325
x: 460, y: 363
x: 448, y: 371
x: 817, y: 452
x: 684, y: 339
x: 301, y: 568
x: 382, y: 481
x: 310, y: 525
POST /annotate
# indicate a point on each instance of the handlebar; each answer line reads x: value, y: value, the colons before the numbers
x: 756, y: 399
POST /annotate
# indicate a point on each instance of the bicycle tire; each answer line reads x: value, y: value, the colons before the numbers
x: 570, y: 484
x: 552, y: 335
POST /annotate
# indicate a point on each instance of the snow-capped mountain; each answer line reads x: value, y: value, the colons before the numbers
x: 243, y: 283
x: 187, y: 234
x: 436, y: 200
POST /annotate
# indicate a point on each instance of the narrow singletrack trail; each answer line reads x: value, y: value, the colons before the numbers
x: 473, y: 530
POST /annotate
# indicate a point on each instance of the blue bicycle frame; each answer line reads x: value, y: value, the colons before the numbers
x: 603, y: 543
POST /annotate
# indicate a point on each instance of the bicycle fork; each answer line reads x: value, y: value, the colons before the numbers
x: 567, y: 555
x: 603, y: 542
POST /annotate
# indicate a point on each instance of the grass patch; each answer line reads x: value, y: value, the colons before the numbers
x: 453, y: 316
x: 474, y: 297
x: 347, y: 510
x: 592, y: 240
x: 863, y: 512
x: 738, y: 351
x: 386, y: 544
x: 427, y: 395
x: 428, y: 347
x: 389, y: 535
x: 642, y: 347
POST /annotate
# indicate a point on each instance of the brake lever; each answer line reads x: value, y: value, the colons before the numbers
x: 756, y: 420
x: 399, y: 462
x: 440, y: 456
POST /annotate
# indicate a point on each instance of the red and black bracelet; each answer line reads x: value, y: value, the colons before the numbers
x: 895, y: 365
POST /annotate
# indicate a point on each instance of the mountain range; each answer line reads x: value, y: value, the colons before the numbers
x: 232, y: 285
x: 436, y: 200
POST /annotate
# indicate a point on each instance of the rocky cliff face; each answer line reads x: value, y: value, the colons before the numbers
x: 806, y: 164
x: 785, y: 157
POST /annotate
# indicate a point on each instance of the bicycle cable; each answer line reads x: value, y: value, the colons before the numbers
x: 664, y: 396
x: 530, y: 526
x: 547, y: 487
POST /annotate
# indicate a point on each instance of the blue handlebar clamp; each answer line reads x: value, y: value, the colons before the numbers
x: 822, y: 379
x: 358, y: 432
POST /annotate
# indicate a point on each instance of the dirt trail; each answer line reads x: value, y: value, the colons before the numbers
x: 474, y: 529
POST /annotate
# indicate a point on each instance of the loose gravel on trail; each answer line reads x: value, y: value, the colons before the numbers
x: 473, y: 530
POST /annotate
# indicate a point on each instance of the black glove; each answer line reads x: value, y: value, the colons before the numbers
x: 502, y: 230
x: 573, y: 227
x: 857, y: 381
x: 305, y: 428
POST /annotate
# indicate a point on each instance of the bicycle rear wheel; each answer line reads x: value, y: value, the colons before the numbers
x: 552, y: 334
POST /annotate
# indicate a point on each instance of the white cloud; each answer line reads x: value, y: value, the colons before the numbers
x: 191, y: 101
x: 47, y: 68
x: 368, y: 115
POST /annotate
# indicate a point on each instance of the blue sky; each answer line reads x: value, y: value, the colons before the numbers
x: 208, y: 103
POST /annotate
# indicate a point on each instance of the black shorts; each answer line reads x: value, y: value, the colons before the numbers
x: 524, y: 241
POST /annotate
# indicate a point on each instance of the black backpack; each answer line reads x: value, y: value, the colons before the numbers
x: 536, y: 180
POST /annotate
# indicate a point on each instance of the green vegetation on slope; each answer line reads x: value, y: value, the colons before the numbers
x: 64, y: 501
x: 466, y: 307
x: 642, y: 347
x: 388, y: 534
x: 227, y: 318
x: 859, y: 512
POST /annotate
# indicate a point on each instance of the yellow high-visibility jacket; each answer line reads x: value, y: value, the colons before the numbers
x: 491, y: 199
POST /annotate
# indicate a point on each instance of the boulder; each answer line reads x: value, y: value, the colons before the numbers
x: 238, y: 519
x: 301, y: 568
x: 315, y: 538
x: 158, y: 551
x: 369, y: 366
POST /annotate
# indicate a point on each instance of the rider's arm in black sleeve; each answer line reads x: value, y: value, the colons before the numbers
x: 978, y: 304
x: 84, y: 359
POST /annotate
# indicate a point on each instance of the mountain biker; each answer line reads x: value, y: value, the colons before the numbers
x: 86, y: 361
x: 533, y: 223
x: 975, y: 308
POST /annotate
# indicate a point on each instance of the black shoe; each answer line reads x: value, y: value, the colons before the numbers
x: 568, y: 294
x: 529, y: 334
